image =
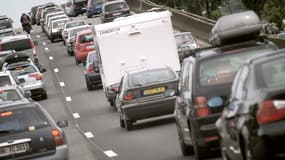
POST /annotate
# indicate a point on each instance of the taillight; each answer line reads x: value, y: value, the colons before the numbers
x: 201, y: 107
x: 57, y: 137
x: 115, y: 89
x: 270, y: 111
x: 37, y: 76
x: 90, y: 69
x: 129, y: 96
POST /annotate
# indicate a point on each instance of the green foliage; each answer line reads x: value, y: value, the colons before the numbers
x: 274, y: 11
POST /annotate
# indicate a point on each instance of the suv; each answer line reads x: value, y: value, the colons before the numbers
x: 5, y: 22
x: 113, y: 10
x: 206, y: 79
x: 22, y: 43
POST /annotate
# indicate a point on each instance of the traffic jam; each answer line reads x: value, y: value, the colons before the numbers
x: 226, y: 100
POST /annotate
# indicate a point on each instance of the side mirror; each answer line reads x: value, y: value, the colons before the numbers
x: 42, y: 70
x: 21, y: 80
x: 62, y: 124
x: 36, y: 43
x: 27, y: 94
x: 215, y: 102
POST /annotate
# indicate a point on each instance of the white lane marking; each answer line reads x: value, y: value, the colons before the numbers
x: 89, y: 135
x: 46, y: 49
x: 76, y: 115
x: 44, y: 43
x: 56, y: 70
x: 110, y: 153
x: 61, y: 84
x: 51, y: 58
x: 38, y: 36
x: 68, y: 99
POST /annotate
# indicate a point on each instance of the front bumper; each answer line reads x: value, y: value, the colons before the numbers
x: 153, y: 108
x: 93, y: 78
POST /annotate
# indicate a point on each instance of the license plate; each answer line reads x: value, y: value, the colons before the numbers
x: 154, y: 91
x: 14, y: 149
x: 116, y: 14
x: 90, y: 47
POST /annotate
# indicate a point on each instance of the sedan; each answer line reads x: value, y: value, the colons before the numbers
x: 146, y: 93
x: 114, y: 9
x: 92, y: 73
x: 252, y: 126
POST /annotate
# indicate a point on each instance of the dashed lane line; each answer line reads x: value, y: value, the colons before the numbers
x: 68, y: 99
x: 111, y: 153
x: 46, y: 49
x: 56, y: 70
x: 62, y: 84
x: 76, y: 115
x: 51, y: 58
x: 89, y: 135
x: 44, y: 43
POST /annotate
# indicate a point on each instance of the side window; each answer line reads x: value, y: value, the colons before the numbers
x: 183, y: 76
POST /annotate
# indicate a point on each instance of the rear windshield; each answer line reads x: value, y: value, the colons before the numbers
x: 59, y: 24
x: 98, y: 1
x: 222, y: 69
x: 5, y: 22
x: 21, y: 119
x: 75, y: 24
x: 74, y: 31
x: 150, y: 77
x: 271, y: 73
x: 115, y: 6
x: 22, y: 70
x: 9, y: 95
x: 5, y: 81
x: 86, y: 38
x: 184, y: 39
x: 17, y: 45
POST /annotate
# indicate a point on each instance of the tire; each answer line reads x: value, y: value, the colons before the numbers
x: 185, y: 149
x: 64, y: 42
x: 77, y: 61
x: 51, y: 39
x: 89, y: 16
x: 259, y: 152
x: 111, y: 101
x: 122, y: 123
x: 88, y: 85
x: 128, y: 124
x: 199, y: 152
x: 44, y: 95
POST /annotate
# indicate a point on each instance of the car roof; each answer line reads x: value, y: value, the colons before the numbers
x: 113, y: 2
x: 15, y: 38
x: 266, y: 57
x: 58, y: 20
x: 3, y: 17
x: 182, y: 33
x: 77, y: 27
x: 88, y: 31
x: 75, y: 21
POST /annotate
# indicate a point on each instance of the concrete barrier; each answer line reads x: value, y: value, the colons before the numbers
x: 185, y: 21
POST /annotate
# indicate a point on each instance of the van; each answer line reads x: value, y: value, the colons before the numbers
x: 144, y: 39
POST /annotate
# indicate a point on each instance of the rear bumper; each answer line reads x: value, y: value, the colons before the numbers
x: 93, y: 78
x: 36, y: 89
x: 60, y: 154
x: 55, y: 35
x: 149, y: 109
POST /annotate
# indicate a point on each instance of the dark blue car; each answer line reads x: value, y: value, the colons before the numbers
x: 94, y: 7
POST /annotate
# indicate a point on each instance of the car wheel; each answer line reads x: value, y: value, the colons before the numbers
x: 112, y: 102
x: 224, y: 155
x: 51, y: 39
x: 199, y: 152
x: 77, y: 61
x: 129, y: 124
x: 122, y: 123
x: 44, y: 95
x: 89, y: 16
x: 63, y: 42
x: 186, y: 150
x: 258, y: 153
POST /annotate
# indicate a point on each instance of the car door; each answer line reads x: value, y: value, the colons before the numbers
x: 181, y: 106
x: 232, y: 117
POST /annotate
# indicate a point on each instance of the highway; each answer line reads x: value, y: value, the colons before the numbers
x: 94, y: 131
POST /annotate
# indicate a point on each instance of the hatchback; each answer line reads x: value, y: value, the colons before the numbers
x: 92, y: 73
x: 70, y: 40
x: 252, y: 125
x: 146, y: 93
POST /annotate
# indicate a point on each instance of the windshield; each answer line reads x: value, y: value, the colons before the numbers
x: 17, y: 45
x: 21, y: 119
x: 271, y: 73
x: 5, y: 81
x: 9, y: 95
x: 150, y: 77
x: 75, y: 31
x: 5, y: 22
x: 222, y: 69
x: 59, y: 24
x: 6, y: 34
x: 22, y: 70
x: 75, y: 24
x: 183, y: 39
x: 115, y: 6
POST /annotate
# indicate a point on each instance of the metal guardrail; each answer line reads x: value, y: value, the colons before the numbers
x: 185, y: 21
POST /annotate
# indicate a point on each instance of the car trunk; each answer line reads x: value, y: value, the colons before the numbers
x: 89, y: 46
x: 30, y: 143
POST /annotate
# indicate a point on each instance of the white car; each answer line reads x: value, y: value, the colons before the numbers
x: 69, y: 25
x: 55, y: 29
x: 6, y: 79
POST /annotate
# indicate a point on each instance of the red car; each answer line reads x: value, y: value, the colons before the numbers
x: 83, y: 45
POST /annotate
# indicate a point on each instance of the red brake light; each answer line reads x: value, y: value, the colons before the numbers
x: 129, y: 97
x: 38, y: 76
x: 270, y: 111
x: 57, y: 137
x: 201, y: 106
x: 6, y: 114
x: 90, y: 69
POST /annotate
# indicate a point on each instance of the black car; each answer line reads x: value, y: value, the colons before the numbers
x: 114, y: 9
x: 146, y: 93
x: 92, y: 73
x: 252, y: 126
x: 27, y: 131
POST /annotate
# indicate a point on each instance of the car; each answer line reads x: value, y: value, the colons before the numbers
x: 22, y: 42
x: 113, y: 10
x: 29, y: 132
x: 69, y: 25
x: 146, y: 92
x: 206, y: 78
x: 83, y: 45
x: 5, y: 22
x: 13, y: 94
x: 50, y: 20
x: 92, y: 72
x: 27, y: 73
x: 45, y: 12
x: 38, y: 15
x: 7, y: 32
x: 70, y: 40
x: 6, y: 79
x: 252, y: 125
x: 94, y: 7
x: 185, y: 42
x: 33, y: 13
x: 52, y: 14
x: 76, y: 7
x: 56, y: 29
x: 281, y: 35
x: 3, y: 55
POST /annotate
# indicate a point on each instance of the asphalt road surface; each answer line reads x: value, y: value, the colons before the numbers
x: 94, y: 131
